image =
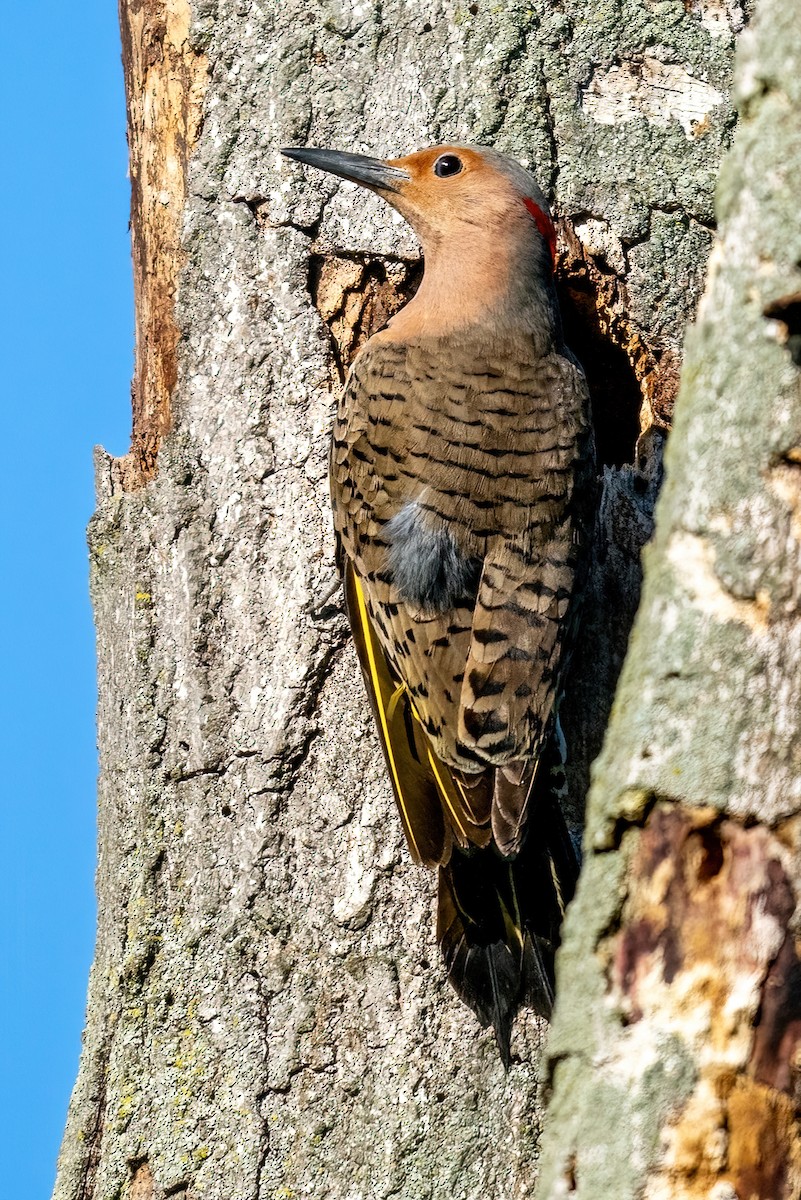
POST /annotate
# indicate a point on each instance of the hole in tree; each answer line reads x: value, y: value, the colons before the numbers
x: 356, y: 294
x: 787, y: 312
x: 614, y: 387
x: 711, y: 854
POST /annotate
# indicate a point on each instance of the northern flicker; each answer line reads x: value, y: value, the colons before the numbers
x: 462, y: 486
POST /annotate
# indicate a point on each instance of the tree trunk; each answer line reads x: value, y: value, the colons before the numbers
x: 267, y: 1015
x: 675, y: 1049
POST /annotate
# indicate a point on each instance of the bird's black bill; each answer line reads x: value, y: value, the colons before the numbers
x: 358, y: 168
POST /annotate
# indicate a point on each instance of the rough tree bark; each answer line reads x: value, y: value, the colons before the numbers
x: 676, y: 1049
x: 266, y: 1014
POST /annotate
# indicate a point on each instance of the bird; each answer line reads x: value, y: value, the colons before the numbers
x: 463, y: 485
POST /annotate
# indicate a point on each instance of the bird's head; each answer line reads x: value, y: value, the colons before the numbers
x: 486, y: 231
x: 444, y: 192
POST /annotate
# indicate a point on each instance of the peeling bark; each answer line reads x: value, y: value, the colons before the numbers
x: 266, y: 1013
x: 679, y: 977
x: 356, y: 296
x: 704, y: 955
x: 165, y: 82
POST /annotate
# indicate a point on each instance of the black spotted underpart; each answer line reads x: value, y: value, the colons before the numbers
x: 428, y: 568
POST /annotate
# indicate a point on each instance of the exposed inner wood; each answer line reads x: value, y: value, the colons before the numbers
x: 164, y: 83
x: 356, y: 295
x: 703, y: 955
x: 142, y: 1184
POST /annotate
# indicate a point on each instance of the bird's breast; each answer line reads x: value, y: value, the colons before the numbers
x: 485, y: 442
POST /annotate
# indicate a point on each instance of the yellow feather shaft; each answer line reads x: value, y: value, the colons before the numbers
x: 443, y: 791
x: 513, y: 930
x: 371, y: 658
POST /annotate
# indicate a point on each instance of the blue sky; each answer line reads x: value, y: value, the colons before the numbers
x: 67, y: 332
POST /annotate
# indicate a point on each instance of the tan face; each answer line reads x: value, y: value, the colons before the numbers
x: 453, y: 189
x: 450, y: 186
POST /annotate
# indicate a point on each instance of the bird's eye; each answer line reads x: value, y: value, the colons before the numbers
x: 447, y: 164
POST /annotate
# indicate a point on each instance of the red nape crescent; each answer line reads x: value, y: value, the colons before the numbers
x: 545, y: 226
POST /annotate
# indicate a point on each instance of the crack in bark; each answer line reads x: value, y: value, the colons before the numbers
x: 94, y: 1139
x: 259, y: 208
x: 264, y: 1025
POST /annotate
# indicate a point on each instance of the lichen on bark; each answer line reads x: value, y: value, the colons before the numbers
x: 266, y: 1013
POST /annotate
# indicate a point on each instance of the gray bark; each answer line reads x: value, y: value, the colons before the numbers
x: 675, y: 1048
x: 266, y: 1013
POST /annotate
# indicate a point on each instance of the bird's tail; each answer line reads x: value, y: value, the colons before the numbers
x: 498, y: 920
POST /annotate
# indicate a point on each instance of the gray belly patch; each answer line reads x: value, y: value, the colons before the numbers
x: 428, y: 568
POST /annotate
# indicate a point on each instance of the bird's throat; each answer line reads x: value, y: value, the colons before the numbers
x: 484, y: 287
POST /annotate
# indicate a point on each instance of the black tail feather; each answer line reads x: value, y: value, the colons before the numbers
x: 499, y: 920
